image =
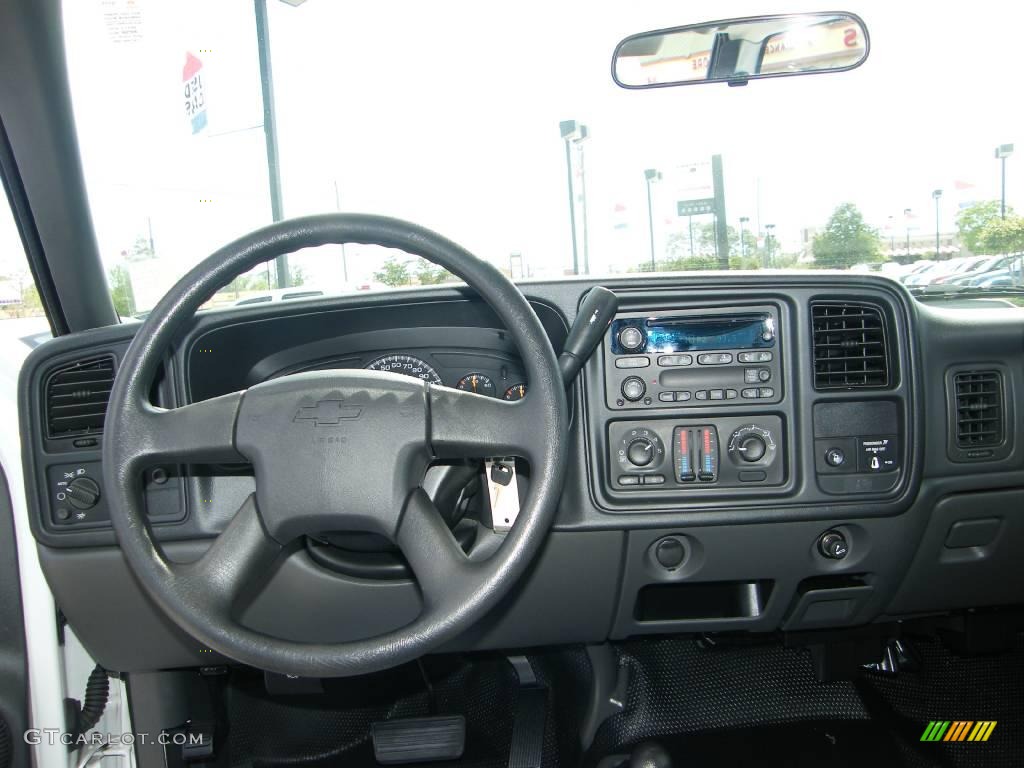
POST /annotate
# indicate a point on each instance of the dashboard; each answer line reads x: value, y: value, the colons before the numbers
x: 748, y: 453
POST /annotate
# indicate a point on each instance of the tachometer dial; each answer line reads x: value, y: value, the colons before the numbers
x: 407, y: 365
x: 515, y: 392
x: 478, y: 383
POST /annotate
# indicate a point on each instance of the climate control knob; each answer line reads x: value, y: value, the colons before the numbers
x: 751, y: 448
x: 752, y: 444
x: 640, y: 452
x: 633, y: 388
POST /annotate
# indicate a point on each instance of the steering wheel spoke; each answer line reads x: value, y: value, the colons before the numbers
x: 469, y: 426
x: 203, y: 432
x: 441, y: 567
x: 237, y: 559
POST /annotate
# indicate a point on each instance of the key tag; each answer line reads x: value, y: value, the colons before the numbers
x: 502, y: 492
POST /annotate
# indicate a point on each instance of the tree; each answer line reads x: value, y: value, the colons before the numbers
x: 121, y: 291
x: 1001, y: 235
x: 705, y: 246
x: 847, y: 240
x: 296, y: 276
x: 973, y: 219
x: 431, y: 274
x: 394, y: 273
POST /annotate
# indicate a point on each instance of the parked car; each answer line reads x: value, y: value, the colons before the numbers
x: 983, y: 270
x: 961, y: 267
x: 930, y: 272
x: 279, y: 294
x: 1001, y: 278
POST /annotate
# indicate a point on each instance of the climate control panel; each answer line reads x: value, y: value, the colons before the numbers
x: 724, y: 452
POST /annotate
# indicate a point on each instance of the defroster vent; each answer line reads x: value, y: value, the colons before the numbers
x: 850, y: 349
x: 77, y: 395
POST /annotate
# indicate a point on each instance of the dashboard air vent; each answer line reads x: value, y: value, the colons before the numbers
x: 979, y: 408
x: 77, y: 395
x: 849, y: 346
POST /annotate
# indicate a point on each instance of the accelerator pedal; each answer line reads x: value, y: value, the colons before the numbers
x: 419, y: 739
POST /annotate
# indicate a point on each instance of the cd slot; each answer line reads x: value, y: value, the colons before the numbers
x: 703, y: 322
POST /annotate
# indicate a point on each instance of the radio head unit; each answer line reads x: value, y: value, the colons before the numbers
x: 689, y: 358
x: 677, y: 333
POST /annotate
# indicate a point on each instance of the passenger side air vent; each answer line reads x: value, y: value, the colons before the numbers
x: 849, y: 346
x: 979, y: 408
x: 77, y: 395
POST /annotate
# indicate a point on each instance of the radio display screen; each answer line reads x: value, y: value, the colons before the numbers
x: 683, y: 334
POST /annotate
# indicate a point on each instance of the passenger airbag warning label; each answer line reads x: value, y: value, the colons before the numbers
x: 879, y: 454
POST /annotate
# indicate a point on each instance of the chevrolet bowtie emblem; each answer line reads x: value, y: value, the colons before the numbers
x: 327, y: 413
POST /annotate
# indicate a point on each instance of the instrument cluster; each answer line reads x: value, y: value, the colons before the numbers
x: 498, y: 382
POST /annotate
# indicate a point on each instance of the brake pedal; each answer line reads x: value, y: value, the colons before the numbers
x: 419, y: 739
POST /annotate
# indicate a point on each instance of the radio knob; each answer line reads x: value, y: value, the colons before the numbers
x: 631, y: 338
x: 633, y: 388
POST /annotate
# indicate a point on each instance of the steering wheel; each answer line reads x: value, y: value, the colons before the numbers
x: 335, y: 450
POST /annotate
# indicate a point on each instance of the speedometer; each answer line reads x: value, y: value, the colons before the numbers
x: 407, y: 365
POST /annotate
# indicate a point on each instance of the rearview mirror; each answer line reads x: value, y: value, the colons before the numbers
x: 739, y: 50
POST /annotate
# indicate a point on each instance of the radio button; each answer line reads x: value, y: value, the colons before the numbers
x: 751, y: 375
x: 754, y: 357
x: 629, y: 480
x: 682, y: 397
x: 764, y: 374
x: 714, y: 358
x: 632, y: 362
x: 730, y: 394
x: 750, y: 393
x: 631, y: 338
x: 654, y: 480
x: 669, y: 361
x: 717, y: 394
x: 766, y: 392
x: 667, y: 397
x: 701, y: 394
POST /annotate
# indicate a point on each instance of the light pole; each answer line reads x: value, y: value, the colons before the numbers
x: 651, y: 175
x: 906, y: 219
x: 892, y: 237
x: 768, y: 243
x: 573, y: 133
x: 936, y: 194
x: 344, y: 256
x: 1003, y: 151
x: 743, y: 220
x: 270, y: 128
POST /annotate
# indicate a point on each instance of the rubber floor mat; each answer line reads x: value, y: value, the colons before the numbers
x: 759, y: 704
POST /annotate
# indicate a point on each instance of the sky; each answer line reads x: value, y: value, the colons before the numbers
x: 447, y: 115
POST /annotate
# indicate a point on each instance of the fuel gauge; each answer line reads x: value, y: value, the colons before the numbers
x: 515, y: 392
x: 478, y: 383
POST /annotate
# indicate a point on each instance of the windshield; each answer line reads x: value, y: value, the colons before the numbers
x: 506, y: 133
